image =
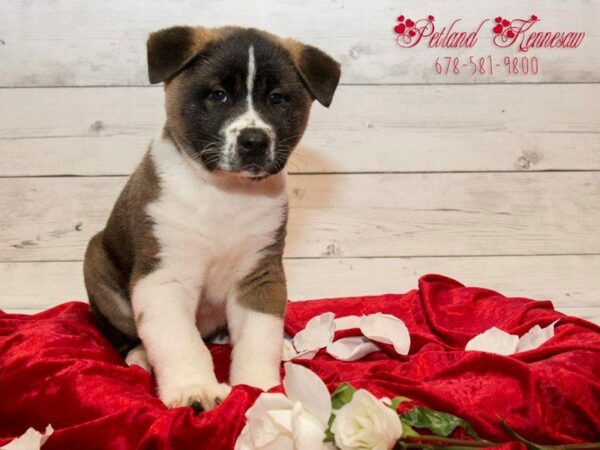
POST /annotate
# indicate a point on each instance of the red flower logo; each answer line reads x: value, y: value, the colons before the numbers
x: 408, y: 27
x: 504, y: 26
x: 506, y: 30
x: 501, y: 24
x: 400, y: 28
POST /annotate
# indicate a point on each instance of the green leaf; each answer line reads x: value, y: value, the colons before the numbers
x: 396, y: 401
x: 408, y: 431
x: 440, y: 423
x: 342, y: 395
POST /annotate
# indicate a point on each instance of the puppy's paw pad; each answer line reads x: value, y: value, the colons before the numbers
x: 201, y: 397
x: 197, y: 407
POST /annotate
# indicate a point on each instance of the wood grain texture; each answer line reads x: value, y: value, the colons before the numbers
x: 397, y: 179
x: 355, y: 215
x: 569, y: 281
x: 73, y: 42
x: 104, y: 131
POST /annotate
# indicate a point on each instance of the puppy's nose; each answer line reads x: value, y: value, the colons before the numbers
x: 253, y: 140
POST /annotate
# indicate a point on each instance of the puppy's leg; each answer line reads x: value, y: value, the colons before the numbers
x: 255, y: 320
x: 165, y: 312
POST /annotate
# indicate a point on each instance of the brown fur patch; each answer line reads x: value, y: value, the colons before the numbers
x: 129, y: 223
x: 264, y: 289
x: 171, y: 49
x: 120, y: 254
x: 319, y: 71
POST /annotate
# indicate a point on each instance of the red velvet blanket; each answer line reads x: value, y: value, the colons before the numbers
x: 56, y: 367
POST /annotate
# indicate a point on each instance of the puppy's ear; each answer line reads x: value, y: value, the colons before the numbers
x: 170, y: 49
x: 319, y: 71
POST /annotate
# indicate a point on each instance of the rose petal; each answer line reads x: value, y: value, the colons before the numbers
x: 283, y: 442
x: 308, y: 433
x: 365, y: 422
x: 351, y: 348
x: 388, y: 330
x: 264, y: 431
x: 282, y: 418
x: 267, y: 401
x: 317, y: 334
x: 308, y: 354
x: 346, y: 323
x: 494, y: 341
x: 535, y: 337
x: 244, y: 440
x: 304, y: 386
x: 266, y: 440
x: 30, y: 440
x: 289, y: 351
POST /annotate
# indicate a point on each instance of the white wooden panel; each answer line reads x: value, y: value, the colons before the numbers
x: 104, y: 131
x: 569, y: 281
x: 323, y: 151
x: 345, y: 215
x: 29, y: 113
x: 75, y: 42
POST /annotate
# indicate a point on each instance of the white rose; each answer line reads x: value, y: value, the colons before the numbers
x: 276, y: 422
x: 365, y: 423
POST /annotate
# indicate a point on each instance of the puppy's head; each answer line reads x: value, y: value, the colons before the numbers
x: 238, y: 99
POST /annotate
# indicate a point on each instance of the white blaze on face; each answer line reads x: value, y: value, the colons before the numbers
x: 249, y: 119
x: 251, y: 76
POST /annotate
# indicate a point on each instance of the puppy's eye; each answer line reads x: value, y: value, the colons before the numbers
x: 219, y: 95
x: 275, y: 98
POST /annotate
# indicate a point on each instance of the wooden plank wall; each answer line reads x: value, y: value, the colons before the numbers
x: 494, y: 180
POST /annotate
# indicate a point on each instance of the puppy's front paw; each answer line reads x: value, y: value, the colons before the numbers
x: 201, y: 397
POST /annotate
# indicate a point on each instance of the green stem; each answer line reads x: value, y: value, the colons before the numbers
x: 573, y: 446
x: 480, y: 443
x: 407, y: 445
x: 534, y: 446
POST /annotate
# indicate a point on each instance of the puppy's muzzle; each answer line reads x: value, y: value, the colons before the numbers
x: 253, y: 145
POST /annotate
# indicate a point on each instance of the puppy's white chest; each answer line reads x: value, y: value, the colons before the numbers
x: 210, y: 236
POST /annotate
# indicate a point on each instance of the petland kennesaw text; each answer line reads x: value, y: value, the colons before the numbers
x: 519, y: 33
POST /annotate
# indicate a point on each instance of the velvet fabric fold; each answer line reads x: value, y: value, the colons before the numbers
x: 56, y: 368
